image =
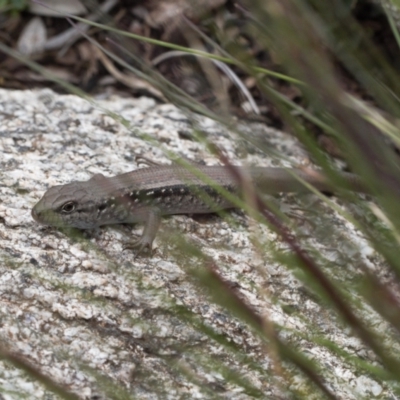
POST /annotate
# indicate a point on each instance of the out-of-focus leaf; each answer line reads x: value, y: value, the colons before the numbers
x: 32, y: 38
x: 57, y: 8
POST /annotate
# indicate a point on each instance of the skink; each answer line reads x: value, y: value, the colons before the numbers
x: 146, y: 194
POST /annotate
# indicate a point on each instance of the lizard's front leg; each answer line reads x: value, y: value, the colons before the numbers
x: 152, y: 223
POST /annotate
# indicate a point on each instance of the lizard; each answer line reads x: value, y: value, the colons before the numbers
x: 146, y: 194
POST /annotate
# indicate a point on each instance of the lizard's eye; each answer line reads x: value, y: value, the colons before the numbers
x: 68, y: 207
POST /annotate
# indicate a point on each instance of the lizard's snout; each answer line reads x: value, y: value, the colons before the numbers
x: 35, y: 214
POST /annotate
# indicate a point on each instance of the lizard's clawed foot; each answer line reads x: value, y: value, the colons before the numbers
x: 140, y: 246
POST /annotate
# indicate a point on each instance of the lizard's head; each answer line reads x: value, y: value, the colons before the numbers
x: 66, y: 206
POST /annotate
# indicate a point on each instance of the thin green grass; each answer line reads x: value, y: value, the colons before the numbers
x: 299, y: 33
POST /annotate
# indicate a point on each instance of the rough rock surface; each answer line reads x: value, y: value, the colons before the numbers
x: 101, y: 322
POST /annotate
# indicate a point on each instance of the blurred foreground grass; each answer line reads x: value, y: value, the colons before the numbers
x: 308, y: 38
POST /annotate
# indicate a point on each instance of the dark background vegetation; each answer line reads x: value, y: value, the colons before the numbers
x: 327, y: 72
